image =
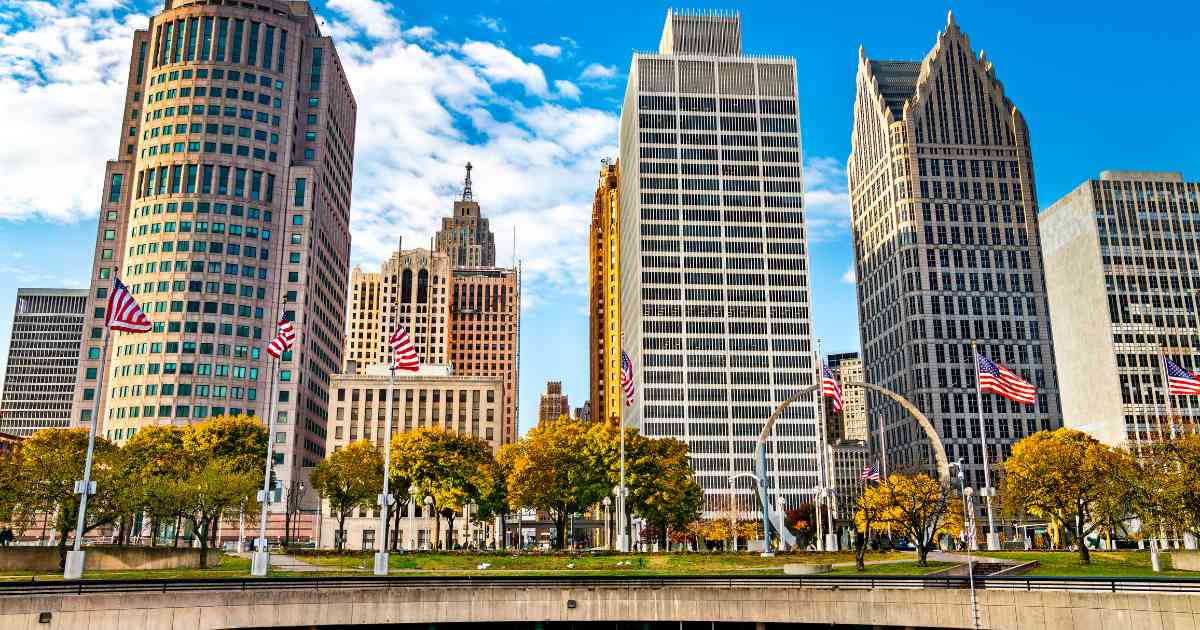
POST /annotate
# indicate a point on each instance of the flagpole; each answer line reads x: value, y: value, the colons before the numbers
x: 819, y: 499
x: 993, y: 539
x: 385, y: 499
x: 262, y: 557
x: 73, y: 569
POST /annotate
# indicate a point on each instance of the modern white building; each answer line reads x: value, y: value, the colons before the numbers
x: 1122, y: 275
x: 43, y: 358
x: 714, y: 265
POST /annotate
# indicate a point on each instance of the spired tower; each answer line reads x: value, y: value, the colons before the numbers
x: 466, y: 236
x: 944, y: 211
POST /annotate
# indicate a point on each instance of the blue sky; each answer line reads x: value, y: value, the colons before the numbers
x: 530, y: 92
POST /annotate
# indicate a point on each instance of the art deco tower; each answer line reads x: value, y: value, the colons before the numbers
x: 944, y: 210
x: 714, y: 267
x: 228, y: 203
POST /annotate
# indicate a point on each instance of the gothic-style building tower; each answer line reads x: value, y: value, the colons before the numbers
x: 944, y: 211
x: 466, y: 236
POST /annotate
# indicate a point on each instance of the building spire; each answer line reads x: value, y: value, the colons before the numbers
x: 466, y: 195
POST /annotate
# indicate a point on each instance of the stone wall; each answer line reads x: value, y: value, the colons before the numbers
x: 1185, y: 560
x: 938, y: 608
x: 105, y: 558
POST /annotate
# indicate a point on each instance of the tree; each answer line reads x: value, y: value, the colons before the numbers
x: 206, y: 491
x: 241, y: 440
x: 802, y: 522
x: 554, y: 470
x: 870, y: 509
x: 662, y: 488
x: 14, y: 489
x: 349, y: 479
x: 450, y: 468
x: 1165, y: 496
x: 917, y: 506
x: 1071, y: 478
x: 493, y: 499
x: 51, y: 461
x: 151, y: 455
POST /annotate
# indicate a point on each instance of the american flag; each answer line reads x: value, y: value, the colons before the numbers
x: 1180, y: 382
x: 830, y: 388
x: 405, y: 353
x: 627, y: 378
x: 870, y: 472
x: 123, y: 312
x: 285, y: 336
x: 997, y: 379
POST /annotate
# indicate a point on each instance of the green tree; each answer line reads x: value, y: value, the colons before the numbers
x: 870, y: 510
x: 152, y: 455
x: 1165, y: 497
x: 917, y: 506
x: 51, y: 461
x: 209, y: 488
x: 240, y: 440
x: 662, y: 488
x: 449, y: 468
x: 554, y: 469
x: 349, y: 479
x: 1072, y: 478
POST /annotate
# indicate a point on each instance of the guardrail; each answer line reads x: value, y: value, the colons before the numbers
x: 1024, y: 583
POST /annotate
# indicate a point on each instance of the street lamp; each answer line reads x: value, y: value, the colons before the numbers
x: 606, y: 502
x: 966, y: 492
x: 428, y: 510
x: 412, y: 517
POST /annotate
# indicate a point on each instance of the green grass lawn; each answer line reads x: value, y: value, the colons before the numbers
x: 1104, y: 563
x: 584, y: 564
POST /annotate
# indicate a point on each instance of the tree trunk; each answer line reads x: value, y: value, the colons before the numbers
x: 1085, y: 556
x: 395, y: 546
x: 154, y: 531
x: 340, y: 537
x: 203, y: 536
x: 175, y: 542
x: 662, y: 537
x: 560, y: 523
x: 437, y: 527
x: 62, y: 547
x: 922, y: 552
x: 860, y: 550
x: 451, y: 535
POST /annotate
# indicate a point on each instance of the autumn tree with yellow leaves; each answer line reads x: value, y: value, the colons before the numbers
x: 917, y: 506
x: 1073, y: 479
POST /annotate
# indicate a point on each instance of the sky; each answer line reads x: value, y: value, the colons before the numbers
x: 530, y: 94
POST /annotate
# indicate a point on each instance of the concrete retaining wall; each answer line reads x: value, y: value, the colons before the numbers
x: 105, y: 558
x: 1185, y: 560
x: 937, y: 608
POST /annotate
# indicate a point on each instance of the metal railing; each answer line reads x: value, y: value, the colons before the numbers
x: 835, y: 582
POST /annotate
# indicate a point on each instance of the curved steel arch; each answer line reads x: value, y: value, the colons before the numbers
x: 939, y: 452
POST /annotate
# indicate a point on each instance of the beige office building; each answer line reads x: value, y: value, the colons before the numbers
x: 227, y: 203
x: 362, y: 336
x: 553, y: 403
x: 43, y: 357
x: 944, y: 213
x: 432, y: 397
x: 851, y: 423
x: 1122, y: 279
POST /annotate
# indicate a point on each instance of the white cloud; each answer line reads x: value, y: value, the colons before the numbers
x: 566, y: 89
x: 547, y: 50
x: 420, y: 32
x: 828, y: 215
x: 598, y: 72
x: 491, y: 23
x: 850, y: 277
x: 373, y: 17
x: 499, y: 65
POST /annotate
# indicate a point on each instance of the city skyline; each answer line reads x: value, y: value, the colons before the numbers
x: 526, y: 63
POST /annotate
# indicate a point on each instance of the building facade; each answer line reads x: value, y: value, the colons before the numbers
x: 485, y: 331
x: 714, y: 265
x: 845, y: 460
x: 604, y: 286
x: 1122, y: 275
x: 432, y: 397
x: 851, y: 423
x: 228, y: 203
x: 466, y: 236
x: 43, y: 357
x: 553, y: 404
x: 362, y: 330
x: 944, y: 212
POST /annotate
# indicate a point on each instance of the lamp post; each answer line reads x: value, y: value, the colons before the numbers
x: 412, y: 517
x: 606, y: 502
x: 620, y: 492
x: 962, y: 486
x: 732, y: 515
x: 428, y: 513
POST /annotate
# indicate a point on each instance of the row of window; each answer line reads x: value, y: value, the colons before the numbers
x: 206, y: 179
x: 709, y: 104
x: 208, y: 38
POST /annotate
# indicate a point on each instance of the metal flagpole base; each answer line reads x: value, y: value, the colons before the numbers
x: 831, y: 542
x: 381, y: 563
x: 993, y: 541
x: 260, y: 562
x: 74, y: 566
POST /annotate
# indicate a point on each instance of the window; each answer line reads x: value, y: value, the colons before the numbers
x: 114, y: 189
x: 301, y: 184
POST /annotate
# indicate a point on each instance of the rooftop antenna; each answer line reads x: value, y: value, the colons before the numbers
x: 466, y: 195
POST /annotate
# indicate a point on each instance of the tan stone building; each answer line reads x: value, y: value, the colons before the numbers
x: 1122, y: 281
x: 432, y: 397
x: 465, y: 316
x: 851, y: 423
x: 944, y: 213
x: 228, y: 202
x: 553, y: 404
x: 604, y: 306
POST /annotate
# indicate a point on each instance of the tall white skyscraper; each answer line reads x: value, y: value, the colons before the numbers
x: 714, y: 267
